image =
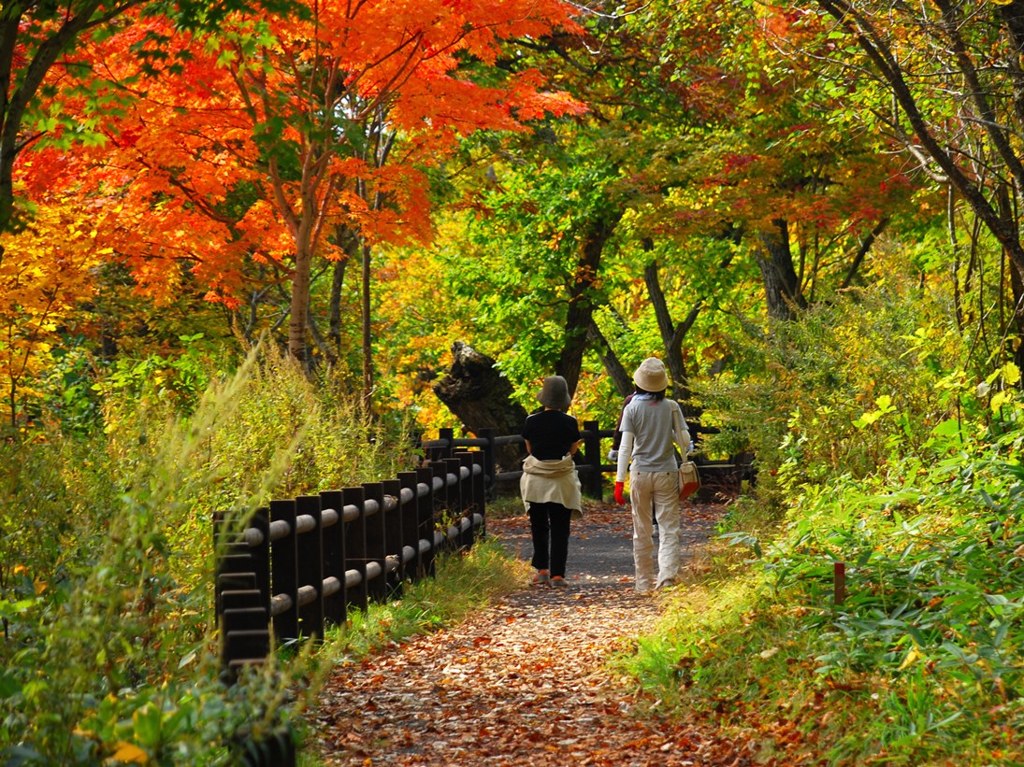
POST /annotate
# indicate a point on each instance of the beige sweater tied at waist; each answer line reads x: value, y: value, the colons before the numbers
x: 552, y: 482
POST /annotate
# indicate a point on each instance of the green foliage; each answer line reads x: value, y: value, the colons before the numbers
x: 841, y: 391
x: 921, y: 661
x: 528, y: 242
x: 178, y: 380
x: 101, y: 663
x: 107, y: 563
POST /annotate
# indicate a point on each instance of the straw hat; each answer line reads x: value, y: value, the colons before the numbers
x: 651, y: 375
x: 554, y: 393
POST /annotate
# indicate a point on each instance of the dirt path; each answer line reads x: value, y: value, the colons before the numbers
x: 525, y: 682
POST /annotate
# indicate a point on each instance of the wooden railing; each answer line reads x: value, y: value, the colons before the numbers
x: 301, y: 564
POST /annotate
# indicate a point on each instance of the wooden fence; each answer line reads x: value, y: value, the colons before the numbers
x: 302, y: 563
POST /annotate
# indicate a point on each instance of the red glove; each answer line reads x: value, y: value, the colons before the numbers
x: 619, y: 499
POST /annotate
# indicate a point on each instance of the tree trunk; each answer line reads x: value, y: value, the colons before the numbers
x: 367, y: 332
x: 1017, y: 288
x: 580, y: 315
x: 672, y: 335
x: 613, y: 367
x: 349, y: 244
x: 334, y: 306
x: 481, y: 398
x: 22, y: 90
x: 862, y: 251
x: 299, y: 306
x: 781, y: 285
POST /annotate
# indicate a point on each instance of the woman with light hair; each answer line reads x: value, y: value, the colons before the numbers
x: 550, y: 485
x: 650, y: 425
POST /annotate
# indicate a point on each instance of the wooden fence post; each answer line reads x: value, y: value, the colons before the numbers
x: 442, y: 504
x: 376, y: 543
x: 466, y: 494
x: 453, y: 500
x: 261, y: 555
x: 392, y: 494
x: 284, y: 569
x: 425, y: 512
x: 476, y: 466
x: 839, y: 582
x: 592, y: 481
x: 336, y: 605
x: 243, y: 619
x: 410, y: 524
x: 446, y: 435
x: 355, y: 547
x: 439, y: 496
x: 490, y: 473
x: 311, y: 567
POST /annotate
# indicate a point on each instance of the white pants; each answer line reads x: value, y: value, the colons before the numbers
x: 662, y: 490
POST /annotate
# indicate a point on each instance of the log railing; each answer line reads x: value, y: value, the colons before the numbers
x: 300, y: 565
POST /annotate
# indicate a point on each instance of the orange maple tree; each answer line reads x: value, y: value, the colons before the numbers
x: 259, y: 144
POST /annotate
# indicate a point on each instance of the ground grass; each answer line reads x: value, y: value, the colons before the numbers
x: 505, y: 506
x: 919, y: 666
x: 464, y: 583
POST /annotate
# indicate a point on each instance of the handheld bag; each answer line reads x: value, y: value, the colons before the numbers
x: 689, y: 480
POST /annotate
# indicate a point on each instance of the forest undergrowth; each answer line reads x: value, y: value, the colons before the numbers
x: 907, y: 472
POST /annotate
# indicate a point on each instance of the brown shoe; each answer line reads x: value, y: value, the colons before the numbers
x: 541, y: 578
x: 558, y: 582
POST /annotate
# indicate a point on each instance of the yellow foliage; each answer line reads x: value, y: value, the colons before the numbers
x: 912, y: 656
x: 45, y: 272
x: 998, y: 400
x: 128, y: 753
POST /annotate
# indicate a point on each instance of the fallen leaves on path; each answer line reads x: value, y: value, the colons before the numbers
x: 524, y: 682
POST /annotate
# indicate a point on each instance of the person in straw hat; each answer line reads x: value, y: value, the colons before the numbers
x: 550, y: 486
x: 650, y: 425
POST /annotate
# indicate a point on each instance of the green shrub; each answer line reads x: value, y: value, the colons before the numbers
x: 108, y: 561
x: 922, y: 660
x: 880, y: 448
x: 810, y: 396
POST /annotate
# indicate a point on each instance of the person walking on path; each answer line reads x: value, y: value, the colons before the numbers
x: 650, y: 425
x: 613, y: 454
x: 550, y: 485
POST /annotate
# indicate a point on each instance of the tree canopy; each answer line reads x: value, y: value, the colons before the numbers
x: 623, y: 176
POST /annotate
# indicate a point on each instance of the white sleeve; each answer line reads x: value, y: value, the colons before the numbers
x: 682, y: 433
x: 625, y: 453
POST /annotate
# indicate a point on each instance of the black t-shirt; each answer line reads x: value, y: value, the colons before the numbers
x: 551, y: 433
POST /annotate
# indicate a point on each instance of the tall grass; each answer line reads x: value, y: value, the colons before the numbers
x: 106, y: 564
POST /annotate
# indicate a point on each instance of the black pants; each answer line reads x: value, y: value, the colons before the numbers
x: 549, y: 523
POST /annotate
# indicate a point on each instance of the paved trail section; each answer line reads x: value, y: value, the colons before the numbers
x: 527, y: 680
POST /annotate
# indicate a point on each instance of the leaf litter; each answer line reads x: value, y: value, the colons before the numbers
x: 526, y: 681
